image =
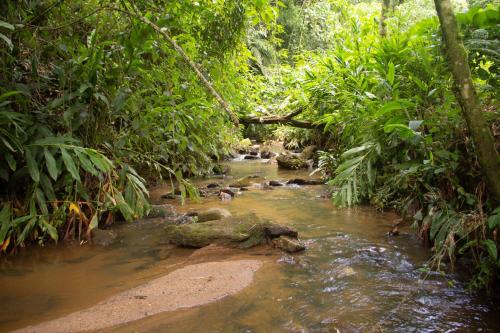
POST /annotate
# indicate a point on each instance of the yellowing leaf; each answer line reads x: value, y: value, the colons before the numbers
x: 94, y: 222
x: 74, y: 208
x: 5, y: 244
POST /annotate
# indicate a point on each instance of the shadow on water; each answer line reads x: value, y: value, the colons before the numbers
x: 351, y: 278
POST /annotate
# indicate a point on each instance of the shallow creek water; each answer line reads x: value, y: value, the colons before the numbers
x: 351, y: 277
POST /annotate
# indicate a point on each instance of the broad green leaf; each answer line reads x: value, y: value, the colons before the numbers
x: 27, y: 229
x: 6, y: 25
x: 86, y: 163
x: 47, y: 187
x: 5, y: 222
x: 437, y: 222
x: 392, y: 106
x: 11, y: 161
x: 390, y: 73
x: 494, y: 221
x: 33, y: 169
x: 52, y: 231
x: 40, y: 198
x: 100, y: 161
x: 491, y: 247
x: 391, y: 127
x: 9, y: 94
x: 356, y: 150
x: 70, y: 164
x: 347, y: 164
x: 7, y: 41
x: 51, y: 164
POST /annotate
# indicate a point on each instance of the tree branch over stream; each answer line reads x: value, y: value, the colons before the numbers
x: 281, y: 120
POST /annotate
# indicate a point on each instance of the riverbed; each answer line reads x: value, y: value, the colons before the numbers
x: 352, y: 277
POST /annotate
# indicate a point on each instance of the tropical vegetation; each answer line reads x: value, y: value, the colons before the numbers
x: 99, y: 99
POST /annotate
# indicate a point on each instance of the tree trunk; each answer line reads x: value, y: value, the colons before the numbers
x: 383, y: 15
x: 487, y: 155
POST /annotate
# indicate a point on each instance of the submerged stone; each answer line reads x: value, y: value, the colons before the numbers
x: 246, y: 181
x: 103, y: 237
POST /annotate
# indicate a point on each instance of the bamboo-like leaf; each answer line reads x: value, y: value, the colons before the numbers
x: 94, y: 222
x: 52, y: 231
x: 390, y: 73
x: 27, y: 229
x: 32, y: 165
x: 86, y: 163
x: 356, y: 150
x: 47, y: 187
x: 70, y: 164
x: 11, y: 161
x: 437, y: 222
x: 494, y: 221
x: 100, y: 161
x: 6, y: 25
x: 5, y: 226
x: 491, y: 247
x: 40, y: 198
x: 7, y: 41
x: 51, y: 164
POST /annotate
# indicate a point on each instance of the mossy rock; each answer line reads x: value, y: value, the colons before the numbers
x: 308, y: 152
x: 291, y: 162
x: 238, y: 231
x: 211, y: 214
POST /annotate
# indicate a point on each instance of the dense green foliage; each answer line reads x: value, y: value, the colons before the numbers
x: 92, y: 100
x: 90, y: 94
x: 394, y: 132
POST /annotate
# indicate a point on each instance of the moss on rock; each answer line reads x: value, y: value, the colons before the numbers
x: 239, y: 231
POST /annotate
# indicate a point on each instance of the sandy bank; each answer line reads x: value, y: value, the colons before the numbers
x: 186, y: 287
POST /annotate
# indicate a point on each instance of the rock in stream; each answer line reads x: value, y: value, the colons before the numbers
x: 239, y: 231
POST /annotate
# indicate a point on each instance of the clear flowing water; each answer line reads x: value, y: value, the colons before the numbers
x: 352, y: 277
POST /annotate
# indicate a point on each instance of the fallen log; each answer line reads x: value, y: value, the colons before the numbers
x: 281, y: 120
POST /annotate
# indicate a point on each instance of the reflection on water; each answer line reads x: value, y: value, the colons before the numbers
x: 352, y: 277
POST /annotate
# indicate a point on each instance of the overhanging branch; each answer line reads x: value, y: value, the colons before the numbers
x: 281, y: 120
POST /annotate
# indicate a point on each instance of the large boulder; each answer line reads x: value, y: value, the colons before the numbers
x: 308, y: 152
x: 239, y: 231
x: 290, y: 161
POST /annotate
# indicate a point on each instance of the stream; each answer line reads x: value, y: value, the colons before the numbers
x: 352, y: 277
